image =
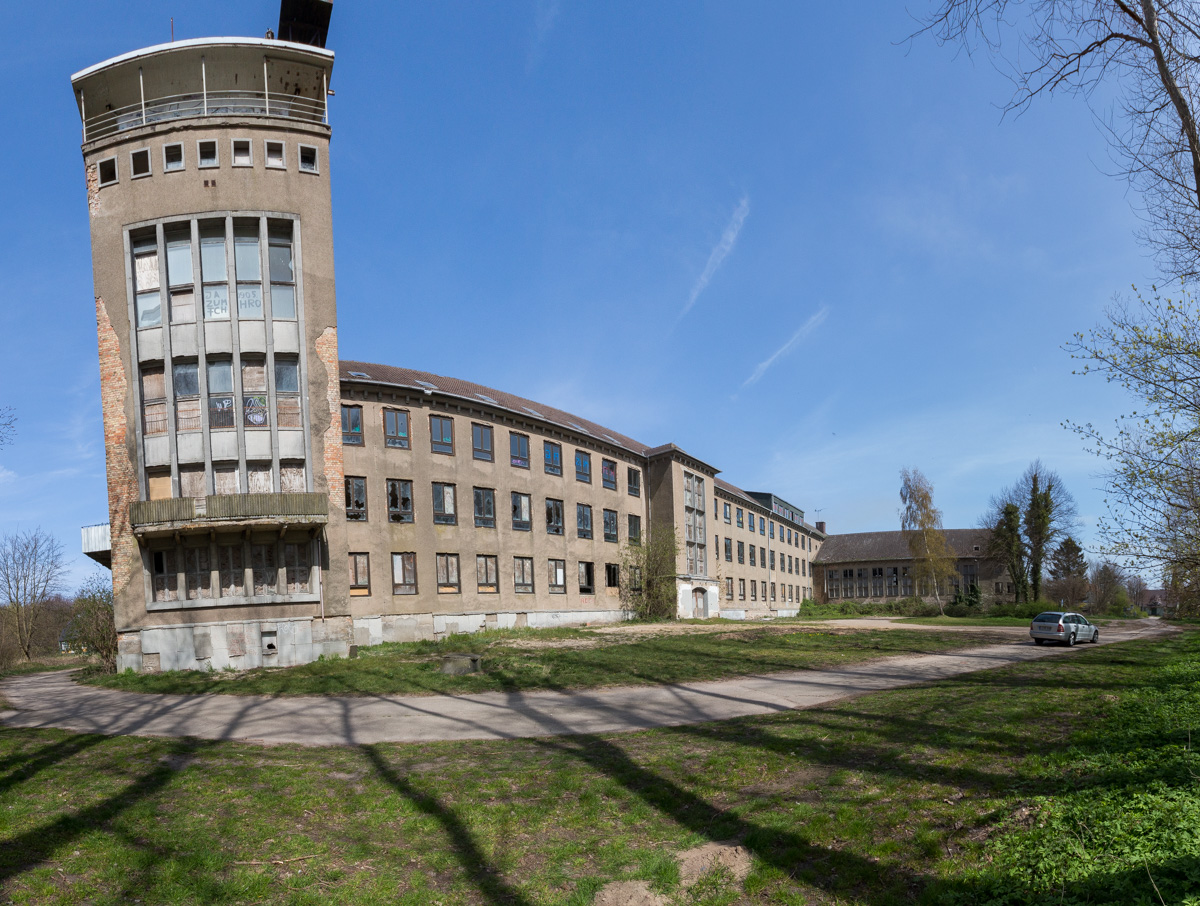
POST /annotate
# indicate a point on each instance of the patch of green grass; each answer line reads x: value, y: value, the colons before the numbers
x: 414, y: 667
x: 966, y: 621
x: 1063, y: 780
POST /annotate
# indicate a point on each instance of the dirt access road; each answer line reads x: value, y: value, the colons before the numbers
x: 53, y: 700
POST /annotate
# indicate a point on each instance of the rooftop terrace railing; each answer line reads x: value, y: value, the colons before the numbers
x: 207, y: 103
x: 282, y: 507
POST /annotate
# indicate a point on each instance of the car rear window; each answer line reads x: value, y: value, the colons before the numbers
x: 1047, y: 618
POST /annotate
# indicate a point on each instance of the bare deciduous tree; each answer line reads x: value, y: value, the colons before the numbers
x: 8, y: 425
x: 31, y: 573
x: 921, y: 522
x: 1149, y: 50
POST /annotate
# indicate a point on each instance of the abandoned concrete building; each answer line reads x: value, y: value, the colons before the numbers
x: 270, y: 503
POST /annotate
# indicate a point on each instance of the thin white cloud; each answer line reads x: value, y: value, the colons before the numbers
x: 6, y: 475
x: 805, y: 329
x: 719, y: 253
x: 544, y: 18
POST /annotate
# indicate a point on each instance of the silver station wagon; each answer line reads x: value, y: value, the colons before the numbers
x: 1067, y: 628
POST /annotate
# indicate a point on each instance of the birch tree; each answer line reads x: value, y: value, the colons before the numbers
x: 921, y: 522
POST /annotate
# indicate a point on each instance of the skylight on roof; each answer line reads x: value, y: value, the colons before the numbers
x: 427, y: 384
x: 487, y: 399
x: 533, y: 412
x: 609, y: 437
x: 359, y: 374
x: 579, y: 428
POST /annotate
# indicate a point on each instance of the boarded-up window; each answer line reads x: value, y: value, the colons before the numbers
x: 164, y: 576
x: 486, y: 573
x: 259, y: 475
x: 287, y: 393
x: 154, y: 405
x: 360, y: 574
x: 199, y: 573
x: 232, y: 569
x: 191, y: 482
x: 291, y: 478
x: 404, y: 574
x: 225, y: 479
x: 297, y: 561
x: 266, y: 569
x: 447, y: 573
x: 159, y: 485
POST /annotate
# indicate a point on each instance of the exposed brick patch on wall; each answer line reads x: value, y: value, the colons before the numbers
x: 92, y: 175
x: 121, y: 470
x: 327, y: 352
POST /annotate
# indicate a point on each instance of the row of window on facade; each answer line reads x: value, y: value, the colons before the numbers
x: 226, y: 402
x: 397, y: 434
x: 400, y: 508
x: 747, y: 520
x: 893, y: 582
x: 208, y: 157
x: 487, y: 573
x: 233, y: 570
x: 173, y: 274
x: 788, y: 594
x: 761, y: 556
x: 226, y: 480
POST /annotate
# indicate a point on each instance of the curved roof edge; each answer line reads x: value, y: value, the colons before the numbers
x: 201, y: 42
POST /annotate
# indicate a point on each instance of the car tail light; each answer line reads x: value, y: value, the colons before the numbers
x: 1060, y: 628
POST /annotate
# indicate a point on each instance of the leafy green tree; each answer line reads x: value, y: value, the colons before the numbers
x: 934, y: 563
x: 648, y: 571
x: 1151, y: 348
x: 1047, y: 512
x: 1068, y: 573
x: 1007, y: 546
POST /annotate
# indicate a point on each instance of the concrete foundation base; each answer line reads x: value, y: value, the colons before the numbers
x: 285, y: 643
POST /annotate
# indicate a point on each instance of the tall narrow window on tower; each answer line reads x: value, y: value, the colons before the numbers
x: 247, y: 263
x: 283, y: 278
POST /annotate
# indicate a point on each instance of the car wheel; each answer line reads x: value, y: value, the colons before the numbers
x: 1039, y: 641
x: 1095, y: 636
x: 1071, y: 640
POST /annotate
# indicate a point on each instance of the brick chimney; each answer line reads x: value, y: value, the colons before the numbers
x: 821, y: 528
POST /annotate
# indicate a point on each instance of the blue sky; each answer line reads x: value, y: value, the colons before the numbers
x: 777, y: 235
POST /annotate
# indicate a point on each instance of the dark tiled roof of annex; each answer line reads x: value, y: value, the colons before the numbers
x: 420, y: 381
x: 870, y: 546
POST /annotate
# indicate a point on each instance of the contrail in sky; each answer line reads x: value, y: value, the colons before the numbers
x: 719, y: 253
x: 805, y: 329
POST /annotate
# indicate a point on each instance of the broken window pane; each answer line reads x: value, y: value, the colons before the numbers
x: 149, y: 309
x: 165, y: 579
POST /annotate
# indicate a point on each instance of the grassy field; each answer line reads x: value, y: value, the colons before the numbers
x: 520, y: 660
x: 1068, y: 780
x: 966, y: 621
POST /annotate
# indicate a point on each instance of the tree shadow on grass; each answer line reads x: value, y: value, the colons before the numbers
x: 486, y: 879
x: 21, y: 852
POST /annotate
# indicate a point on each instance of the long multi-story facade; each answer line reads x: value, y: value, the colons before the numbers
x: 270, y: 503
